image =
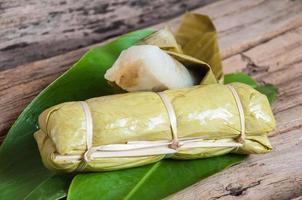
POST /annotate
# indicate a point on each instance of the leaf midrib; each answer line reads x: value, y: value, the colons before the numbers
x: 39, y: 185
x: 138, y: 184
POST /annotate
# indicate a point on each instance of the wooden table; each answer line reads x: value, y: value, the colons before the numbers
x: 261, y: 34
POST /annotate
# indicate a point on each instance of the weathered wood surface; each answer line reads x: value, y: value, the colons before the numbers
x: 277, y: 175
x: 32, y: 29
x: 263, y: 33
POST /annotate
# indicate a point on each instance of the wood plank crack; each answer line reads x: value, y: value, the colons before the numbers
x: 236, y: 189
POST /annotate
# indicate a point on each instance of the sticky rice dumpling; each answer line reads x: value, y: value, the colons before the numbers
x: 133, y: 129
x: 148, y: 68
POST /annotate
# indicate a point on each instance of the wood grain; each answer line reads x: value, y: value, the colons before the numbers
x: 32, y: 29
x: 262, y: 38
x: 277, y: 175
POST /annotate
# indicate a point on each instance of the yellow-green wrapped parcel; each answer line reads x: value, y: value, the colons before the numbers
x: 206, y: 114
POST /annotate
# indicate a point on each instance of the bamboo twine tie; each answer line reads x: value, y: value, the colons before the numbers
x: 172, y: 118
x: 144, y: 148
x: 242, y: 137
x: 89, y: 132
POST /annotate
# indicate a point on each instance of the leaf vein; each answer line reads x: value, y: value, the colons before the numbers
x: 147, y: 175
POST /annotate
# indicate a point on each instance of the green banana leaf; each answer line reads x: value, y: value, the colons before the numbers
x: 152, y: 182
x: 53, y: 188
x: 22, y: 175
x: 269, y: 90
x: 21, y: 169
x: 240, y: 77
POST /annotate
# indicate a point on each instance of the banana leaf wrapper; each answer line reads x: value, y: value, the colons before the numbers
x: 206, y: 112
x: 194, y: 45
x: 195, y: 37
x: 198, y: 38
